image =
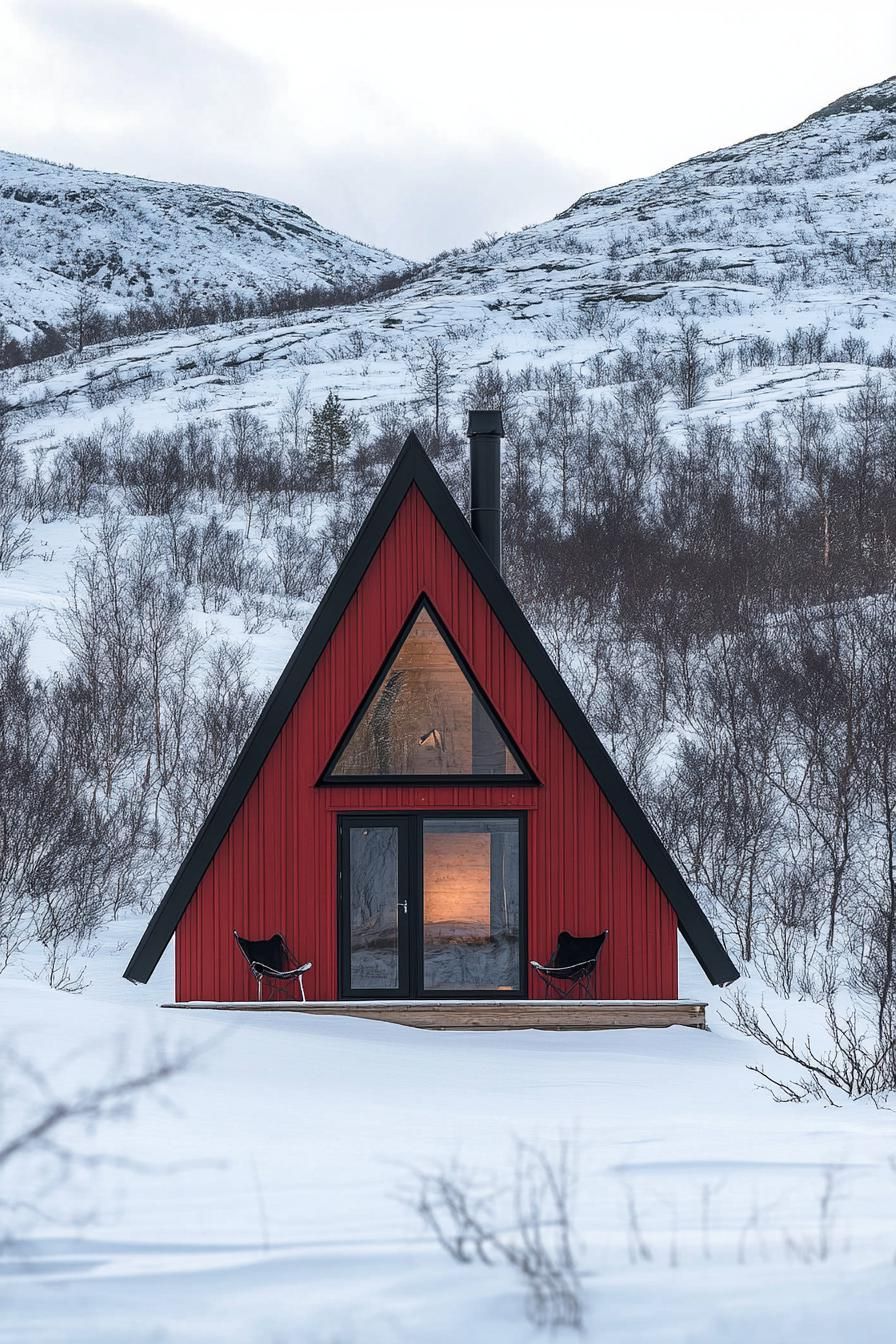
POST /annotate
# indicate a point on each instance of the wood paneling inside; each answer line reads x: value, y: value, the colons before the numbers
x: 457, y: 884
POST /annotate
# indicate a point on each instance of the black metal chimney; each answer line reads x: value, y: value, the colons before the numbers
x: 486, y: 430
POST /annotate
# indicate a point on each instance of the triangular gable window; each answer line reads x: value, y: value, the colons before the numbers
x: 425, y: 718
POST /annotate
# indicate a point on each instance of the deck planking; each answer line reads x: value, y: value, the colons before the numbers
x: 491, y: 1014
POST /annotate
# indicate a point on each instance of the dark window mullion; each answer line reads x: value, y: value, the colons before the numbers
x: 415, y: 864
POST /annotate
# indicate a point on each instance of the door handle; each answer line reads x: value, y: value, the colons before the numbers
x: 403, y: 906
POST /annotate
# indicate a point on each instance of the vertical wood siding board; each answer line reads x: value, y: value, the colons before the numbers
x: 259, y: 885
x: 599, y: 911
x: 202, y: 977
x: 663, y: 968
x: 652, y: 921
x: 658, y: 932
x: 634, y: 950
x: 617, y: 927
x: 211, y: 931
x: 669, y: 963
x: 179, y: 946
x: 178, y: 951
x: 644, y: 948
x: 625, y: 885
x: 604, y: 977
x: 652, y: 927
x: 650, y: 931
x: 615, y: 935
x: 192, y: 943
x: 606, y: 955
x: 240, y: 849
x: 552, y: 903
x: 244, y: 889
x: 672, y: 947
x: 635, y: 869
x: 266, y: 865
x: 217, y: 879
x: 286, y: 825
x: 206, y: 975
x: 620, y: 913
x: 184, y: 951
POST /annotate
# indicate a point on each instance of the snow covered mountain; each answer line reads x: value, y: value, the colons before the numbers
x: 802, y: 219
x: 132, y: 239
x: 783, y: 238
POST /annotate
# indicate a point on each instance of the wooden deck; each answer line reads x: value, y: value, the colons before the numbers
x: 493, y: 1014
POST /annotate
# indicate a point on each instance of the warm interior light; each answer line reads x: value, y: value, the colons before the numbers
x: 457, y: 883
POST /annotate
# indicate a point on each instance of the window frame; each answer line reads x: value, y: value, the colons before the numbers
x: 526, y: 777
x: 410, y: 823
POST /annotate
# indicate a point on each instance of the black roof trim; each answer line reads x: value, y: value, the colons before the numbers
x: 413, y: 467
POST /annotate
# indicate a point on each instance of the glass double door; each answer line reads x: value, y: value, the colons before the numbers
x: 431, y: 905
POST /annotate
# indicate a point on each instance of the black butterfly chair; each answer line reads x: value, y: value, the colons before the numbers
x: 573, y: 966
x: 271, y: 959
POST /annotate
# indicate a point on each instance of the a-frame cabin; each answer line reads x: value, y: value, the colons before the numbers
x: 422, y: 806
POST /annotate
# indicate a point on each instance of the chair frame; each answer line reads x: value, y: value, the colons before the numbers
x: 578, y: 973
x: 263, y: 972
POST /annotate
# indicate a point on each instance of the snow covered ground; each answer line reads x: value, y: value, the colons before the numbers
x: 258, y: 1197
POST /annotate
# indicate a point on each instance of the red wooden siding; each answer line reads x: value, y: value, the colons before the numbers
x: 276, y: 868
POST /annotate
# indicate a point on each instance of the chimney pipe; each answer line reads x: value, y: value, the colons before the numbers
x: 485, y: 430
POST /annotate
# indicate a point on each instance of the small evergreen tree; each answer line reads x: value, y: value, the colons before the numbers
x: 328, y: 438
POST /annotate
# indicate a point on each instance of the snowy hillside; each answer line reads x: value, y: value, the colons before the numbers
x: 784, y: 233
x: 134, y: 240
x: 802, y: 213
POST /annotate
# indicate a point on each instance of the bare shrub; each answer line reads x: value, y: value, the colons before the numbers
x: 430, y: 367
x: 14, y: 538
x: 39, y: 1120
x: 220, y: 561
x: 300, y: 563
x: 857, y: 1062
x: 66, y: 854
x: 689, y: 366
x: 100, y: 628
x: 217, y: 713
x: 528, y: 1227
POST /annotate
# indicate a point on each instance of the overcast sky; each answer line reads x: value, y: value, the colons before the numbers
x: 417, y: 124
